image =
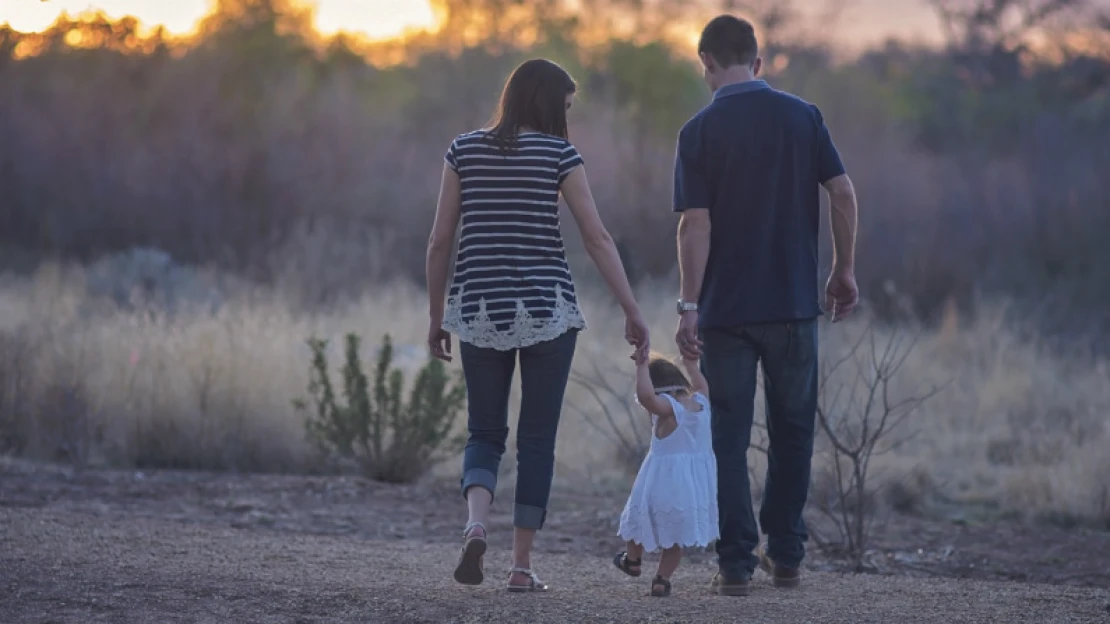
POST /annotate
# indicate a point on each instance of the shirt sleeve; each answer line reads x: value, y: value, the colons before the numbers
x: 452, y: 156
x: 691, y: 189
x: 568, y: 160
x: 829, y: 164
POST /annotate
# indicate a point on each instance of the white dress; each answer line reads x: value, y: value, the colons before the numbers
x: 674, y: 499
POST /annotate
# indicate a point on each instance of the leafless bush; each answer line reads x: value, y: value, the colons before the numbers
x: 45, y: 409
x: 67, y: 421
x: 861, y: 419
x: 613, y: 413
x: 15, y: 392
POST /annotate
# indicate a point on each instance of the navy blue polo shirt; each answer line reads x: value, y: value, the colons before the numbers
x: 755, y: 157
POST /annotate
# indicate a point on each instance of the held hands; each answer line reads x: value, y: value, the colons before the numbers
x: 689, y: 345
x: 637, y: 334
x: 841, y: 293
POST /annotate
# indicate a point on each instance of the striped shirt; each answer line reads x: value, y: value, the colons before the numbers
x: 512, y: 286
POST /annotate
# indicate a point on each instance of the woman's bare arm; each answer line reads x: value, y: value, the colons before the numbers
x: 599, y: 243
x: 442, y: 239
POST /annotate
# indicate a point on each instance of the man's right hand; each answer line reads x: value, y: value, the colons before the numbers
x: 686, y: 337
x: 841, y: 293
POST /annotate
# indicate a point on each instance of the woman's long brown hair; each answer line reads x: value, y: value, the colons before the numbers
x: 534, y: 97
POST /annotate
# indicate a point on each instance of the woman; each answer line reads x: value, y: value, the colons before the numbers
x: 512, y: 296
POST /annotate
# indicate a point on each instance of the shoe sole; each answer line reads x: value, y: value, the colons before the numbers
x: 526, y: 589
x: 733, y: 590
x: 469, y: 570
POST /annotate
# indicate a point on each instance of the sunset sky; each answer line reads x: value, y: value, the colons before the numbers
x: 862, y: 22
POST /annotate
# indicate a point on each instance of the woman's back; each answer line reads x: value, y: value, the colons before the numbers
x: 512, y: 298
x: 512, y: 286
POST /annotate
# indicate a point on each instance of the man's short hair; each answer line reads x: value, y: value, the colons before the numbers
x: 730, y: 41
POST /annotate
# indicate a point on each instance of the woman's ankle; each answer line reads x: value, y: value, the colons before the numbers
x: 474, y: 529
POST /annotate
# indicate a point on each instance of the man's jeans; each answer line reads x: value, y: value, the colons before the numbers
x: 788, y: 355
x: 544, y: 371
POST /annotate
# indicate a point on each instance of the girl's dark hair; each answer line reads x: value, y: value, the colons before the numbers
x: 535, y: 96
x: 664, y: 373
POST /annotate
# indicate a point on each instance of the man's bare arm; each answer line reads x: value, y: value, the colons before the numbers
x: 843, y: 219
x: 693, y: 251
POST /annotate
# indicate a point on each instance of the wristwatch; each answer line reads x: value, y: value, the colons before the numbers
x: 687, y: 306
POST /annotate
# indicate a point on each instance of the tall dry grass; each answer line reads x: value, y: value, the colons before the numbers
x: 87, y: 379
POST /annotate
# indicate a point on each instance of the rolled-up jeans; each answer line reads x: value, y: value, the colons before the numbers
x: 544, y: 371
x: 788, y: 355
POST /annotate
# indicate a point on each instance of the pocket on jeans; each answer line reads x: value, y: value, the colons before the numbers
x: 801, y: 342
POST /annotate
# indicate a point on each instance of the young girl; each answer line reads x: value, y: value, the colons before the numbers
x: 674, y: 499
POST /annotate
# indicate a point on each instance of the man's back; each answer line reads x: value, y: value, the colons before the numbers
x: 756, y: 157
x: 747, y: 178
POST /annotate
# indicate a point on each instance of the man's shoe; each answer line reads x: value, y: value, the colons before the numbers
x: 729, y: 587
x: 781, y: 576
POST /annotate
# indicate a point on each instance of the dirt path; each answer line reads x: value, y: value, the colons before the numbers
x: 181, y: 548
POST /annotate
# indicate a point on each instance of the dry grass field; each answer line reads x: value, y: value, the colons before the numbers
x: 1012, y: 425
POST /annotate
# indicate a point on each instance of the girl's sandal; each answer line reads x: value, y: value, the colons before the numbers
x: 469, y: 570
x: 534, y: 582
x: 626, y: 565
x: 660, y: 587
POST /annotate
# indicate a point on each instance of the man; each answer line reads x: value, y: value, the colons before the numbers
x: 747, y: 177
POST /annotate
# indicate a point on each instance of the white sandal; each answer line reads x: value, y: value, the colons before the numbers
x: 469, y: 570
x: 534, y: 582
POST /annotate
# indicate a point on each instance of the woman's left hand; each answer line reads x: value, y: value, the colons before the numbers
x: 638, y: 335
x: 439, y: 342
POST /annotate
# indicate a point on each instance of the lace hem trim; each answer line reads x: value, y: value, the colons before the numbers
x: 656, y: 546
x: 523, y: 331
x: 664, y: 528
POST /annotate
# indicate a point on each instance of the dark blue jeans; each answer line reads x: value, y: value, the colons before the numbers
x: 788, y: 354
x: 544, y: 371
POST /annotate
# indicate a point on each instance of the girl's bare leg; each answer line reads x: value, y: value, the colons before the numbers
x: 634, y: 551
x: 668, y: 561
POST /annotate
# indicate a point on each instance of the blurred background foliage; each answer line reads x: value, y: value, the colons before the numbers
x: 258, y: 147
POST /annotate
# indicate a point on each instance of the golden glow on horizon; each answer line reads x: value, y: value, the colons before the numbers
x: 375, y: 19
x: 859, y: 24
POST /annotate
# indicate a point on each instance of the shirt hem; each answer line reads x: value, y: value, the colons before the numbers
x: 764, y: 321
x: 504, y: 343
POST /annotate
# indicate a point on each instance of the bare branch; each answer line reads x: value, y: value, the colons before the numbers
x: 628, y: 437
x: 858, y: 431
x: 590, y: 387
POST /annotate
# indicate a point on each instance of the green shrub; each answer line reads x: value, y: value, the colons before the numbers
x: 371, y: 426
